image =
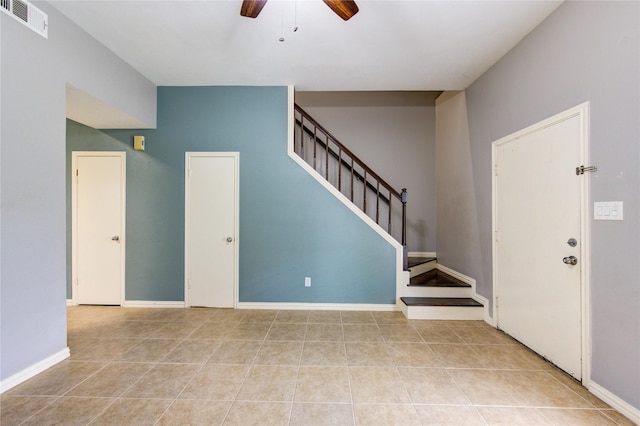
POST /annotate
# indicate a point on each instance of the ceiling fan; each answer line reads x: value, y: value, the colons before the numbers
x: 343, y: 8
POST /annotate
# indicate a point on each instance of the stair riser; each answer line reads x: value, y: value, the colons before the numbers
x: 423, y: 267
x: 420, y: 291
x: 443, y: 312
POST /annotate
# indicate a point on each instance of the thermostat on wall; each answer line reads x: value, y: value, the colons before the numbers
x: 138, y: 143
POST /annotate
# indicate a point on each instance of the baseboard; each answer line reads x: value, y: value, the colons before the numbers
x: 33, y: 370
x: 422, y: 254
x: 152, y: 304
x: 70, y: 302
x: 465, y: 279
x: 317, y: 306
x: 622, y: 406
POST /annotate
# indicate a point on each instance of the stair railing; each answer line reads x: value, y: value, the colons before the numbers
x: 352, y: 177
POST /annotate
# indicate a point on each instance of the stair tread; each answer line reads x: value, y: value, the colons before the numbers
x: 415, y: 260
x: 436, y: 278
x: 440, y: 301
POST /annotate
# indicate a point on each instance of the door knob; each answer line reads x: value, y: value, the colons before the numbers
x: 115, y: 238
x: 570, y: 260
x: 229, y: 239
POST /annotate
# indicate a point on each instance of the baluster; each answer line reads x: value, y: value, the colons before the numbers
x: 315, y: 143
x: 352, y: 179
x: 339, y: 168
x: 389, y: 225
x: 378, y: 202
x: 326, y: 160
x: 364, y: 192
x: 302, y: 136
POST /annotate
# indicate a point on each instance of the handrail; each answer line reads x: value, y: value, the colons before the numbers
x: 366, y: 174
x: 347, y: 151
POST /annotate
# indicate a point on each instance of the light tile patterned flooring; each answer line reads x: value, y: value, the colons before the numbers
x: 238, y: 367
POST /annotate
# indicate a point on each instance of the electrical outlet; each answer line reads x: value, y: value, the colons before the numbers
x: 307, y: 281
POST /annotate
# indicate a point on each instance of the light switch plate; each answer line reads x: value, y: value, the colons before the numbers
x: 608, y: 210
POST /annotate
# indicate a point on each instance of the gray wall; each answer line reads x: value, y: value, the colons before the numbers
x: 584, y: 51
x: 394, y: 133
x: 458, y: 236
x: 32, y: 181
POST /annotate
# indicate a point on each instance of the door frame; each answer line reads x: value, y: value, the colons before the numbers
x: 187, y: 223
x: 74, y: 219
x: 582, y: 111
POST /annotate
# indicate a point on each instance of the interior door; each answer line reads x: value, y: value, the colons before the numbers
x: 211, y: 212
x: 99, y: 223
x: 537, y: 219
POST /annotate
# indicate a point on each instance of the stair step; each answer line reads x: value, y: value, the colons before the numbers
x: 440, y: 301
x: 420, y: 265
x: 415, y: 260
x: 436, y: 278
x: 442, y: 308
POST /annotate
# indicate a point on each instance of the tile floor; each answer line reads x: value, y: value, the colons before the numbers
x: 238, y: 367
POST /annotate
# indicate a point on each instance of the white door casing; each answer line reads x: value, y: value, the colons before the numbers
x: 211, y: 229
x: 98, y: 227
x: 539, y: 203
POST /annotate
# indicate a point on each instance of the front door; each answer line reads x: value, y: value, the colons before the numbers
x: 211, y: 231
x: 538, y: 215
x: 98, y: 203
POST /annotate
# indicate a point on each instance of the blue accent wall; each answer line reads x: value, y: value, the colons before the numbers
x: 290, y: 226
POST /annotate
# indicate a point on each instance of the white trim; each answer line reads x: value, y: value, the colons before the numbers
x: 458, y: 313
x: 472, y: 282
x: 401, y: 280
x: 317, y: 306
x: 422, y: 254
x: 70, y: 302
x: 187, y: 224
x: 33, y: 370
x: 583, y: 111
x: 616, y: 402
x: 74, y: 222
x: 152, y: 304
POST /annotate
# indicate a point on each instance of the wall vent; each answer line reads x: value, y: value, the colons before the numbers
x: 28, y: 14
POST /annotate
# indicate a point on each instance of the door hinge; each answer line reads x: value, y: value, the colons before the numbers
x: 495, y: 170
x: 76, y: 172
x: 581, y: 169
x: 497, y: 236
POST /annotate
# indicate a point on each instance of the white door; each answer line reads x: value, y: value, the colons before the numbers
x: 98, y: 227
x: 538, y: 211
x: 211, y: 215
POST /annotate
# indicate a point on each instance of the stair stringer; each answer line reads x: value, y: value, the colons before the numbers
x: 402, y: 276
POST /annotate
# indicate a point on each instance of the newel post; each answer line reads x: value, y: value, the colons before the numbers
x: 405, y: 253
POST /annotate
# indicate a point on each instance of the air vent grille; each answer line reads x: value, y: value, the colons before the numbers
x: 21, y: 10
x: 28, y: 14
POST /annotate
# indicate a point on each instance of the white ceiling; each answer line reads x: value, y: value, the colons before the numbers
x: 388, y: 45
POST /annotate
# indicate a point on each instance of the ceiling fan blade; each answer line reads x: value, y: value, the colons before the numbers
x: 343, y: 8
x: 252, y: 8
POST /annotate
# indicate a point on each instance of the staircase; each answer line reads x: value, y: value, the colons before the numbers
x: 434, y: 294
x: 431, y: 293
x: 376, y: 198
